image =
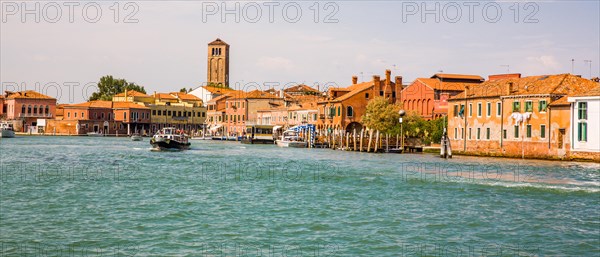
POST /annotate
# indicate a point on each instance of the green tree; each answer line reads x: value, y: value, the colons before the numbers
x: 381, y: 115
x: 109, y: 86
x: 183, y: 90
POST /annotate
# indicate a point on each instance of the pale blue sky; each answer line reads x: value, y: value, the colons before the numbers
x: 166, y: 49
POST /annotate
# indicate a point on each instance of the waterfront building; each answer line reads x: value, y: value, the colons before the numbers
x: 104, y: 117
x: 428, y: 97
x: 28, y: 110
x: 218, y: 64
x: 515, y: 117
x: 2, y: 108
x: 585, y: 124
x: 242, y: 109
x: 344, y: 107
x: 215, y: 112
x: 176, y: 109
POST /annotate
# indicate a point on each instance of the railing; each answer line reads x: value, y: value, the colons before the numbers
x: 35, y: 115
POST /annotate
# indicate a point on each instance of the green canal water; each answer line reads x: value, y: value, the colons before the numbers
x: 79, y: 196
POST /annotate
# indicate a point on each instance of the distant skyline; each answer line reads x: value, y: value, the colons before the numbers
x: 166, y: 48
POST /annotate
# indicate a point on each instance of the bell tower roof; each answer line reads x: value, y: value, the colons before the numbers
x: 218, y: 41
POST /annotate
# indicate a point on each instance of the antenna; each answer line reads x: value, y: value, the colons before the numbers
x: 507, y: 67
x: 589, y: 62
x: 572, y: 66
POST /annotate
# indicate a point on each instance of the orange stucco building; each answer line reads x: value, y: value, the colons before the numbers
x: 344, y: 107
x: 27, y: 108
x: 515, y: 117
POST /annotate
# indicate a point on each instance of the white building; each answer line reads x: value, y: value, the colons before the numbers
x: 206, y: 93
x: 585, y: 121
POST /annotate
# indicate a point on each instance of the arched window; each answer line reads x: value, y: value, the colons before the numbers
x: 349, y: 111
x: 35, y: 109
x: 28, y: 108
x: 47, y: 109
x: 22, y: 108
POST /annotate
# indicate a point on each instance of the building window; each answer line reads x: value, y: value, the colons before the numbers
x: 339, y: 111
x: 470, y: 133
x: 455, y: 110
x: 349, y: 111
x: 74, y: 114
x: 489, y: 109
x: 528, y: 131
x: 124, y: 115
x: 470, y: 110
x: 380, y: 92
x: 582, y: 131
x: 455, y: 133
x: 543, y: 131
x: 153, y: 112
x: 462, y: 110
x: 82, y: 116
x: 478, y: 133
x: 582, y: 110
x: 29, y: 109
x: 367, y: 95
x: 479, y: 109
x: 487, y: 133
x: 516, y: 131
x: 528, y: 106
x: 542, y: 106
x: 68, y: 114
x: 462, y: 133
x: 22, y: 108
x: 203, y: 114
x: 516, y: 106
x: 498, y: 109
x: 95, y: 115
x: 504, y: 134
x: 35, y: 109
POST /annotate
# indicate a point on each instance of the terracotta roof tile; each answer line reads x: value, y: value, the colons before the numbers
x: 121, y: 105
x: 218, y: 41
x: 214, y: 90
x: 92, y: 104
x: 438, y: 85
x: 457, y: 76
x: 560, y: 84
x: 29, y: 94
x: 592, y: 92
x: 132, y: 93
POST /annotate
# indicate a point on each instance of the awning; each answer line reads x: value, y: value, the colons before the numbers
x: 277, y: 127
x: 216, y: 127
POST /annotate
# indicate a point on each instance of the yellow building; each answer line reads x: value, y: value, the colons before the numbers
x: 180, y: 110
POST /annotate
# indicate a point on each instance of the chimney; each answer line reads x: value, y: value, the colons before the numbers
x: 509, y: 88
x: 281, y: 93
x: 376, y: 79
x: 388, y: 77
x: 467, y: 91
x: 399, y: 82
x: 354, y: 80
x: 126, y: 96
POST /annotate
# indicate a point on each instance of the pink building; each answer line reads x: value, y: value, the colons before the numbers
x: 27, y: 108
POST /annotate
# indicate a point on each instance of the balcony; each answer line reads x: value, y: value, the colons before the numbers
x: 35, y: 115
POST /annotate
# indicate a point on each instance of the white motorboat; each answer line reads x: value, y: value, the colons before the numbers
x: 170, y: 139
x: 290, y: 138
x: 6, y: 130
x: 136, y: 137
x: 95, y: 134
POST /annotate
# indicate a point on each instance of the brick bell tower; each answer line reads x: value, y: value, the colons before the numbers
x: 218, y: 63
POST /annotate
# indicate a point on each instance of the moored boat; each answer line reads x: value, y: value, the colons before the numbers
x: 290, y: 138
x: 6, y: 130
x: 95, y: 134
x: 170, y: 139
